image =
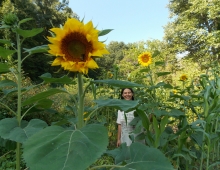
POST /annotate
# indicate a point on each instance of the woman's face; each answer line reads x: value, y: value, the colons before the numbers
x: 127, y: 94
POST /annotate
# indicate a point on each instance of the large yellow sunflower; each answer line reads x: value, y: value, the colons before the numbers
x: 145, y: 59
x: 75, y: 45
x: 183, y: 77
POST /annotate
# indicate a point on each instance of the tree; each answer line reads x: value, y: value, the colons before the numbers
x: 46, y: 14
x: 116, y: 50
x: 194, y: 29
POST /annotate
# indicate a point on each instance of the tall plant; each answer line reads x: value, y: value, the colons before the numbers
x: 77, y: 145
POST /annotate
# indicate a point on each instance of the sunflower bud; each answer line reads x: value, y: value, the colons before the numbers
x: 10, y: 19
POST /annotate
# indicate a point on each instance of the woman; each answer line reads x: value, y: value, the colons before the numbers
x: 124, y: 129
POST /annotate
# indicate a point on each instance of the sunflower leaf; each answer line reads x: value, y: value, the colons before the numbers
x: 63, y: 80
x: 104, y: 32
x: 5, y: 52
x: 28, y: 33
x: 162, y: 73
x: 9, y: 129
x: 168, y: 86
x: 57, y: 148
x: 38, y: 49
x: 144, y: 157
x: 159, y: 63
x: 24, y: 20
x: 41, y: 96
x: 7, y: 83
x: 139, y: 156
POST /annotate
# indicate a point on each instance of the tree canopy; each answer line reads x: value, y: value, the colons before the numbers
x: 194, y: 29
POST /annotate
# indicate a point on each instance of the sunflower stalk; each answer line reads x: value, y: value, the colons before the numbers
x: 80, y: 122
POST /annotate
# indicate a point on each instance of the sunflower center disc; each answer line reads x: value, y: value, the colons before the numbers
x: 145, y: 59
x: 77, y: 50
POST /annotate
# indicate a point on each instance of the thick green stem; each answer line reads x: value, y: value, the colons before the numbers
x: 19, y: 99
x: 80, y: 122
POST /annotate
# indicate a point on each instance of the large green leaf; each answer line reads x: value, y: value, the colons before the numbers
x: 9, y: 129
x: 38, y: 49
x: 41, y: 96
x: 119, y: 83
x: 144, y: 118
x: 28, y: 33
x: 120, y: 154
x: 124, y: 105
x: 139, y: 156
x: 4, y: 53
x: 57, y: 148
x: 44, y: 103
x: 144, y: 157
x: 64, y: 80
x: 7, y: 83
x: 4, y: 68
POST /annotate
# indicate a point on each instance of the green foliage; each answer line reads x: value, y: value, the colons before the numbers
x: 41, y: 14
x: 70, y: 148
x: 194, y: 29
x: 9, y: 129
x: 138, y: 156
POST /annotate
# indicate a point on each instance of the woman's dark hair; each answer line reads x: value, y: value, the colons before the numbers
x: 122, y: 90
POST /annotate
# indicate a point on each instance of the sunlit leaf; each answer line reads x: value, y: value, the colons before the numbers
x: 64, y: 80
x: 41, y: 96
x: 159, y: 63
x: 164, y: 85
x: 28, y: 33
x: 4, y: 53
x: 38, y: 49
x: 24, y: 20
x: 104, y: 32
x: 162, y: 73
x: 7, y: 83
x: 57, y: 148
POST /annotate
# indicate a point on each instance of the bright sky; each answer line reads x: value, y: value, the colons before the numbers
x: 132, y: 20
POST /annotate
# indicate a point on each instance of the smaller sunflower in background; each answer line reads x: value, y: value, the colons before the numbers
x: 145, y: 59
x: 183, y: 77
x: 174, y: 91
x: 75, y: 46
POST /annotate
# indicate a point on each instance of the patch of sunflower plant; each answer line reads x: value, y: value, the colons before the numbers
x: 75, y: 47
x: 16, y: 128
